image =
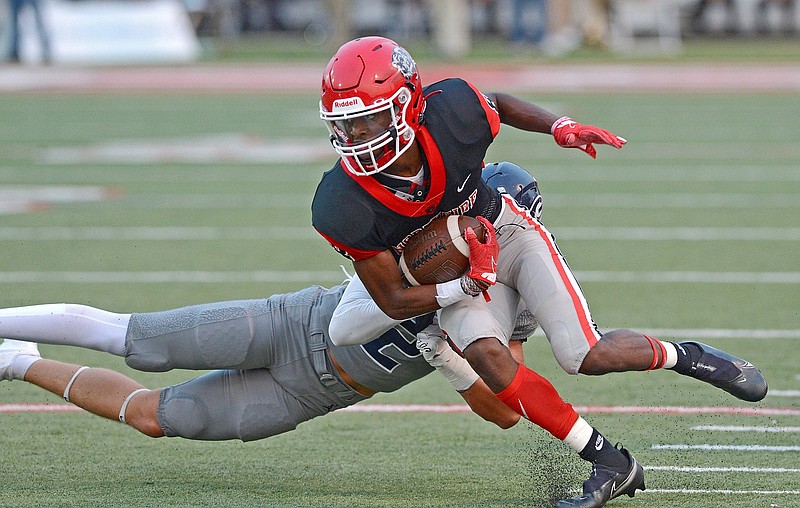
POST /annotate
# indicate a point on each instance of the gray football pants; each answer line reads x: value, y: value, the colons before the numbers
x: 269, y: 384
x: 531, y: 264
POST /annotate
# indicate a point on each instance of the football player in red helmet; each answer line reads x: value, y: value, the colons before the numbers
x: 410, y: 154
x: 371, y: 103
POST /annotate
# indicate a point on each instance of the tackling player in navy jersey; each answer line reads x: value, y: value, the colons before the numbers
x: 275, y: 366
x: 409, y: 154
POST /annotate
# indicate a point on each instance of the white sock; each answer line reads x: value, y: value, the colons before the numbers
x: 579, y: 435
x: 68, y: 325
x: 672, y: 354
x: 21, y: 364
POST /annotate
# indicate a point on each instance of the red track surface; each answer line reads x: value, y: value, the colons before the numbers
x: 305, y: 78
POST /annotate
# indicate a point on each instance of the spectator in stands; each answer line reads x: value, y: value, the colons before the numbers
x: 699, y: 24
x: 529, y: 21
x: 16, y: 8
x: 788, y: 22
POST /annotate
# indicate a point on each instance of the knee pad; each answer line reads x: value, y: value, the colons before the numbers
x: 186, y: 417
x: 567, y: 354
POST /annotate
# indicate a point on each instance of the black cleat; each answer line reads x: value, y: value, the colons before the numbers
x: 738, y: 377
x: 604, y: 484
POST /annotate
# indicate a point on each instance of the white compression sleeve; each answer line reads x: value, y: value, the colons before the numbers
x: 66, y: 324
x: 358, y: 319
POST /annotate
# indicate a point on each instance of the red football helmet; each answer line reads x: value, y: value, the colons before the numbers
x: 371, y: 103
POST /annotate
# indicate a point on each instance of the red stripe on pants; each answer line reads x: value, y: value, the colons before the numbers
x: 589, y: 332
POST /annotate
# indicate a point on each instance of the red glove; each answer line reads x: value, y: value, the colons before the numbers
x: 570, y: 134
x: 483, y: 256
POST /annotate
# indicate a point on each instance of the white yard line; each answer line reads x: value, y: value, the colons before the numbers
x: 16, y: 199
x: 692, y: 277
x: 669, y: 200
x: 678, y: 233
x: 27, y: 407
x: 737, y: 448
x: 745, y: 428
x: 220, y: 277
x: 212, y: 171
x: 160, y: 233
x: 723, y: 491
x: 784, y: 393
x: 691, y: 410
x: 721, y: 333
x: 303, y: 201
x: 202, y: 277
x: 694, y: 469
x: 556, y: 200
x: 303, y: 232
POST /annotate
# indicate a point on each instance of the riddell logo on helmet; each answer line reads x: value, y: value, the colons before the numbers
x: 347, y: 103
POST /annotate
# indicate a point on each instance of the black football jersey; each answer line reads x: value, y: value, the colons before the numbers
x: 360, y: 217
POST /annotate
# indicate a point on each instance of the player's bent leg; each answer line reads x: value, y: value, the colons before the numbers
x: 222, y: 335
x: 622, y: 351
x: 551, y: 293
x: 493, y: 363
x: 141, y: 412
x: 232, y: 404
x: 99, y: 391
x: 520, y: 388
x: 66, y: 324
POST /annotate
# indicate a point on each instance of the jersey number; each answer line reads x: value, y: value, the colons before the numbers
x: 398, y: 337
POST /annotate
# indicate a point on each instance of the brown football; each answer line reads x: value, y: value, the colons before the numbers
x: 438, y: 252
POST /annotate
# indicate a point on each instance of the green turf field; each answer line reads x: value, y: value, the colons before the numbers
x: 692, y: 230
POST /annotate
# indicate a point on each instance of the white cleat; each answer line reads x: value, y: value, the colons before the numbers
x: 10, y: 350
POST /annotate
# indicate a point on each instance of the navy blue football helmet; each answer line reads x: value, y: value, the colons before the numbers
x: 508, y: 178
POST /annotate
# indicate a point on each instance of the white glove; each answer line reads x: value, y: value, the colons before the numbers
x: 432, y: 344
x: 438, y: 353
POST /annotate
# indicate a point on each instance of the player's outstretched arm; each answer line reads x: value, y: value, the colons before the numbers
x: 485, y: 404
x: 522, y: 114
x: 567, y: 132
x: 438, y: 353
x: 357, y: 319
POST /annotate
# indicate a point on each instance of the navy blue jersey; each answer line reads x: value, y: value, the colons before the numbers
x: 360, y: 217
x: 384, y: 364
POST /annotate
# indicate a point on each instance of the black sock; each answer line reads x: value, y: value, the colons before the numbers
x: 599, y: 451
x: 688, y: 355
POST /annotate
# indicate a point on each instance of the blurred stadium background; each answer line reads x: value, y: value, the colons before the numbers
x: 104, y: 31
x: 166, y: 154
